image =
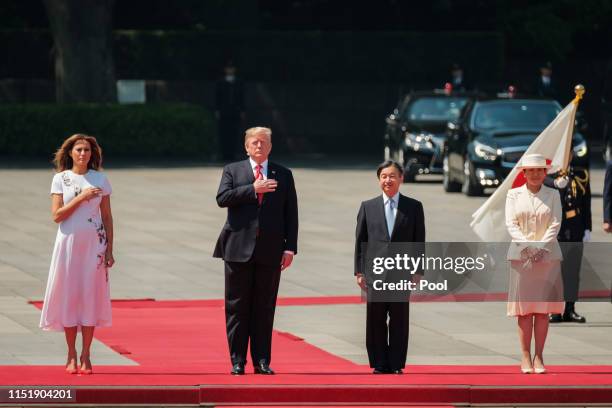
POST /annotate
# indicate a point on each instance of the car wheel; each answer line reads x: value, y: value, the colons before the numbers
x: 469, y: 187
x: 449, y: 185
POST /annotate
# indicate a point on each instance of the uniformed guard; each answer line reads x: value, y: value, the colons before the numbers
x: 575, y: 189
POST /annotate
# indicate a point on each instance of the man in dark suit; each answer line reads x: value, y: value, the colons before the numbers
x: 229, y: 110
x: 607, y: 199
x: 457, y: 80
x: 258, y: 241
x: 545, y: 86
x: 391, y: 217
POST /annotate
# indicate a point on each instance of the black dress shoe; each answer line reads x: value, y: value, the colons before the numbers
x: 263, y: 368
x: 380, y: 370
x: 555, y: 318
x: 397, y: 371
x: 573, y: 317
x: 238, y: 369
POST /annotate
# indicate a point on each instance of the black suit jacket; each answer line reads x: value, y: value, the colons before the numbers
x: 548, y: 91
x: 276, y: 220
x: 372, y: 225
x: 607, y: 194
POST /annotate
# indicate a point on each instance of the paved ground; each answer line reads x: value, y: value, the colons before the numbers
x: 166, y: 224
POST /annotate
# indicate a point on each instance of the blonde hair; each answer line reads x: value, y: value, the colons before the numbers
x: 251, y: 132
x: 63, y: 161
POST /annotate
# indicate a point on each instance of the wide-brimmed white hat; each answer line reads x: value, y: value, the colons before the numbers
x: 533, y: 161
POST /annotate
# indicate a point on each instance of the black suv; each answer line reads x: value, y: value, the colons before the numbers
x: 491, y: 135
x: 416, y: 130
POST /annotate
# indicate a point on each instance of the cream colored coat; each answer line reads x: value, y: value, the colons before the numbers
x: 533, y: 220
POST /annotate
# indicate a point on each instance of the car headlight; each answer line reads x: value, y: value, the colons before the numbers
x: 581, y: 149
x: 419, y: 140
x: 484, y: 151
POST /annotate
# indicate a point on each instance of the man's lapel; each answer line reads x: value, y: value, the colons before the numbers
x: 381, y: 210
x: 271, y: 170
x: 249, y: 171
x: 399, y: 215
x: 271, y: 175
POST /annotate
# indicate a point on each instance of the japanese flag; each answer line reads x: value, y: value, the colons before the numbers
x: 554, y: 143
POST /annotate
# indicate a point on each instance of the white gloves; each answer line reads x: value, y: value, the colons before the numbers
x: 587, y: 236
x: 561, y: 182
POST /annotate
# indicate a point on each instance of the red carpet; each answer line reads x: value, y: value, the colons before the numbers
x: 181, y: 351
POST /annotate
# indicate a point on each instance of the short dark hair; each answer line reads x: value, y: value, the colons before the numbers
x: 389, y: 163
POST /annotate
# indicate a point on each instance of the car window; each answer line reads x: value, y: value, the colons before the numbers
x: 435, y: 109
x: 514, y: 114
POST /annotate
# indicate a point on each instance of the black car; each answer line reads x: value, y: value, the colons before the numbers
x: 491, y: 135
x: 416, y: 130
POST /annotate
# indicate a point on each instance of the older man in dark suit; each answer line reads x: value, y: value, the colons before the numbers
x: 390, y: 217
x: 258, y: 241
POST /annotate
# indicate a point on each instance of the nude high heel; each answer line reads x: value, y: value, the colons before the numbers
x: 83, y: 369
x: 73, y: 369
x: 539, y: 370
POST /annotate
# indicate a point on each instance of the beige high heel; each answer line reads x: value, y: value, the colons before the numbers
x: 527, y: 370
x: 71, y: 370
x: 539, y: 370
x: 83, y: 369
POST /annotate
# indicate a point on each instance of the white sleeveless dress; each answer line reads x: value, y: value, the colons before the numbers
x: 78, y: 290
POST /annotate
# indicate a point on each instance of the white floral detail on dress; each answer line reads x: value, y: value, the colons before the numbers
x: 103, y: 240
x: 99, y: 229
x: 66, y: 179
x: 68, y: 182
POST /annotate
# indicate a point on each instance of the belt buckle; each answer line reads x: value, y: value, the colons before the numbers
x: 570, y: 214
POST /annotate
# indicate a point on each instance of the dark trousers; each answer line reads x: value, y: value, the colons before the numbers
x: 250, y: 302
x: 570, y: 270
x: 387, y: 344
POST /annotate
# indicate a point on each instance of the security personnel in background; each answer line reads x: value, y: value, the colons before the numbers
x: 230, y: 112
x: 576, y: 226
x: 545, y: 85
x: 457, y: 80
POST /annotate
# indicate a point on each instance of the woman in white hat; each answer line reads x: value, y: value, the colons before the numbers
x: 533, y: 219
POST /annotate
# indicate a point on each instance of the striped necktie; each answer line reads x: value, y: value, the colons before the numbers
x: 390, y: 216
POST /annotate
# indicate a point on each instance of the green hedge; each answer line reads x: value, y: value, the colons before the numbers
x: 168, y: 130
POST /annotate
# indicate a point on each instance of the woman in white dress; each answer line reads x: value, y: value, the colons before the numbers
x: 533, y: 219
x: 78, y: 293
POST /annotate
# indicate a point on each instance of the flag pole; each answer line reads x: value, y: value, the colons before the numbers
x: 579, y: 91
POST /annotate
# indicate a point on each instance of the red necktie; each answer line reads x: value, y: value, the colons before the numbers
x: 259, y: 176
